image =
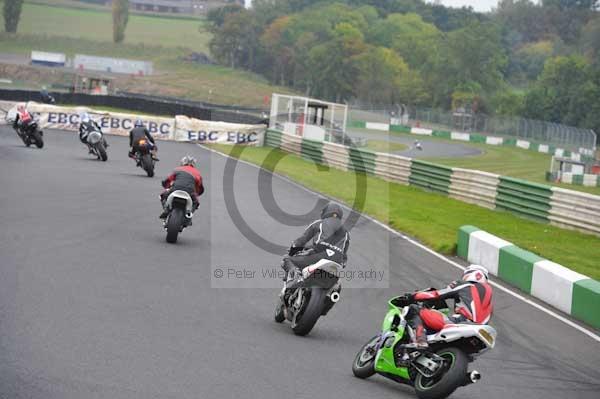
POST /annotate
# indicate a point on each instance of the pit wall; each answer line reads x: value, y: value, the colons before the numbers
x: 568, y: 291
x: 178, y: 128
x: 557, y: 206
x: 583, y: 154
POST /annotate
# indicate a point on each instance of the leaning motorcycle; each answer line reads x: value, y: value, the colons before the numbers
x: 308, y: 295
x: 97, y: 143
x: 31, y: 134
x: 180, y: 206
x: 144, y: 158
x: 435, y: 372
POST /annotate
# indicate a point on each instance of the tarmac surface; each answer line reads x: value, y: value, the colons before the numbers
x: 95, y: 304
x: 431, y: 148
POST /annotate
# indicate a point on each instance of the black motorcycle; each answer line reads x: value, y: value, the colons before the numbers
x: 31, y: 134
x: 308, y: 295
x: 144, y: 157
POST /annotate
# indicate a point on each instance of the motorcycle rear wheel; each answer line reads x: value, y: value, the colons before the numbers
x: 444, y: 385
x: 311, y: 314
x: 147, y: 164
x: 174, y: 224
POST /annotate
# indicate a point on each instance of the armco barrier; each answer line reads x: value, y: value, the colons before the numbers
x: 572, y: 209
x: 430, y: 176
x: 361, y: 161
x: 588, y: 180
x: 474, y: 187
x: 175, y: 128
x: 312, y: 150
x: 524, y: 198
x: 143, y: 105
x: 393, y: 167
x: 566, y: 290
x: 273, y: 139
x: 335, y: 155
x: 560, y: 207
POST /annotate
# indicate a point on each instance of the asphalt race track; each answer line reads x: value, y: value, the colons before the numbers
x: 95, y: 304
x: 431, y: 148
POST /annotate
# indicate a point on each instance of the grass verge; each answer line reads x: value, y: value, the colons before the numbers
x: 96, y: 24
x: 385, y: 146
x: 433, y: 219
x: 174, y: 77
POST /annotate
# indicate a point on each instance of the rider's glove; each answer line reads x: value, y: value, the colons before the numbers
x: 294, y: 250
x: 454, y: 284
x: 410, y: 298
x: 165, y: 183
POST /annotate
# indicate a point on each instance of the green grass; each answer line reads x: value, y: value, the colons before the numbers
x: 433, y: 219
x: 162, y: 40
x: 173, y: 76
x: 511, y: 161
x: 97, y: 25
x: 385, y: 146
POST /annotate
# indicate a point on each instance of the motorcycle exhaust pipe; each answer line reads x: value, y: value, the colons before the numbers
x: 472, y: 377
x: 334, y: 297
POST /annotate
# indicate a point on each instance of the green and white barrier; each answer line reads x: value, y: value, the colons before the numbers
x: 586, y: 179
x: 554, y: 284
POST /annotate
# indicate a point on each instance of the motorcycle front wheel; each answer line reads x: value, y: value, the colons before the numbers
x: 279, y: 315
x: 446, y: 382
x: 364, y: 362
x: 305, y: 321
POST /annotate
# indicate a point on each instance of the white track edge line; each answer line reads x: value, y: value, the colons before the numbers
x: 423, y: 247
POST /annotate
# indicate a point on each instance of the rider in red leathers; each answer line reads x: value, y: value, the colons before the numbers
x: 187, y: 178
x: 473, y: 304
x: 22, y: 119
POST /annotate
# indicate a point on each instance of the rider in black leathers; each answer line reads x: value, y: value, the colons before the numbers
x: 139, y: 132
x: 330, y: 240
x: 86, y: 125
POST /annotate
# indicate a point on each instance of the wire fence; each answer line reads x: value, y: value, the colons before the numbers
x: 461, y: 121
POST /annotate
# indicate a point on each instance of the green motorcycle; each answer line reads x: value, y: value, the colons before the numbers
x: 435, y: 372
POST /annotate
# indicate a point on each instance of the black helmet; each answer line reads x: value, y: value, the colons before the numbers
x: 330, y: 209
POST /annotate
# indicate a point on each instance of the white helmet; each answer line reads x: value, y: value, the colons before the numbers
x: 475, y: 274
x: 84, y: 117
x: 188, y: 160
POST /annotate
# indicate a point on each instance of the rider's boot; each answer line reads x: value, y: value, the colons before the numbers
x: 164, y: 213
x: 419, y: 338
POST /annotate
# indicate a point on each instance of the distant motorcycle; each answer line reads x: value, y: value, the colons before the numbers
x: 97, y: 142
x: 46, y: 97
x: 306, y: 297
x: 144, y: 157
x: 180, y: 206
x: 435, y: 373
x: 31, y: 134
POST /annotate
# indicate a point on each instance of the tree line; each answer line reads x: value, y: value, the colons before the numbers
x: 524, y: 59
x: 538, y: 60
